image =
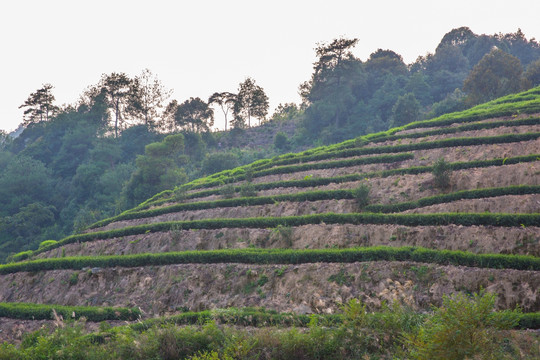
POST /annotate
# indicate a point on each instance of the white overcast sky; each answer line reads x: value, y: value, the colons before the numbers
x: 198, y: 47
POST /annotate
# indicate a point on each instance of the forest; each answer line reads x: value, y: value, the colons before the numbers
x: 125, y: 140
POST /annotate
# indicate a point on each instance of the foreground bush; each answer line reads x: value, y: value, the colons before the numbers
x: 463, y: 328
x: 467, y: 326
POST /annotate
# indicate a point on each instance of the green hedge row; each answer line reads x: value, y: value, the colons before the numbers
x: 459, y: 195
x: 265, y: 318
x: 392, y: 133
x: 287, y: 169
x: 464, y: 219
x: 529, y: 321
x: 240, y: 174
x: 453, y: 130
x: 325, y: 195
x: 314, y: 182
x: 510, y: 105
x: 240, y: 317
x: 442, y: 143
x: 28, y: 311
x: 282, y: 256
x: 224, y: 203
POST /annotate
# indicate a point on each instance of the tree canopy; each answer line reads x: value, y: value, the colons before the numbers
x: 251, y: 101
x: 39, y: 106
x: 496, y: 74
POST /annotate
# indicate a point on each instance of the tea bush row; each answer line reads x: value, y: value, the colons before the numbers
x: 464, y: 219
x: 28, y: 311
x: 442, y: 143
x: 314, y: 182
x: 282, y: 256
x: 326, y: 195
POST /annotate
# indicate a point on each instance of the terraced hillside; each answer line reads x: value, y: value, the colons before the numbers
x: 434, y: 208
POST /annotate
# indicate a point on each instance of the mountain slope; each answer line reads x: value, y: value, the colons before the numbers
x: 333, y: 207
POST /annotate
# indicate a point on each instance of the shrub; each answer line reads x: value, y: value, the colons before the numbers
x: 46, y: 243
x: 248, y: 190
x: 462, y: 328
x: 217, y: 162
x: 361, y: 195
x: 23, y: 255
x: 441, y: 174
x: 228, y: 191
x: 281, y: 141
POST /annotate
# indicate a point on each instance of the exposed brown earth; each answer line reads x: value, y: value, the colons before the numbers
x: 502, y: 204
x: 317, y: 287
x: 490, y: 120
x: 302, y: 288
x: 418, y: 186
x: 478, y: 239
x: 471, y: 133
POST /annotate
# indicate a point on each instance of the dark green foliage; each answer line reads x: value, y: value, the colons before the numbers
x: 27, y: 311
x: 283, y: 256
x: 156, y: 170
x: 217, y: 162
x: 529, y: 321
x: 361, y: 195
x: 441, y: 174
x: 228, y: 191
x: 462, y: 328
x: 281, y: 142
x: 248, y: 190
x: 532, y: 75
x: 406, y: 110
x: 496, y: 74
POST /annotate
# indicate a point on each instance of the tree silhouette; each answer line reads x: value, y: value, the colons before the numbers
x: 39, y: 106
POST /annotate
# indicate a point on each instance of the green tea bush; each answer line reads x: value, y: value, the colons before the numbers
x: 314, y: 182
x: 283, y: 256
x: 28, y: 311
x: 46, y: 243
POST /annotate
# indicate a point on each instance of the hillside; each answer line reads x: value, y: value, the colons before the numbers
x: 408, y: 216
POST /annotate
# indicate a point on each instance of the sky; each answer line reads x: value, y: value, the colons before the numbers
x: 199, y: 47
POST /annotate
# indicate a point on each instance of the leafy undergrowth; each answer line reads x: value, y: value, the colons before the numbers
x: 464, y: 327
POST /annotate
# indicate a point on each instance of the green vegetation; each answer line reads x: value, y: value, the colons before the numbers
x: 464, y: 219
x: 77, y: 164
x: 393, y: 332
x: 361, y: 195
x: 282, y: 256
x: 80, y: 164
x: 314, y: 182
x: 27, y: 311
x: 328, y: 195
x: 462, y: 328
x: 441, y: 174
